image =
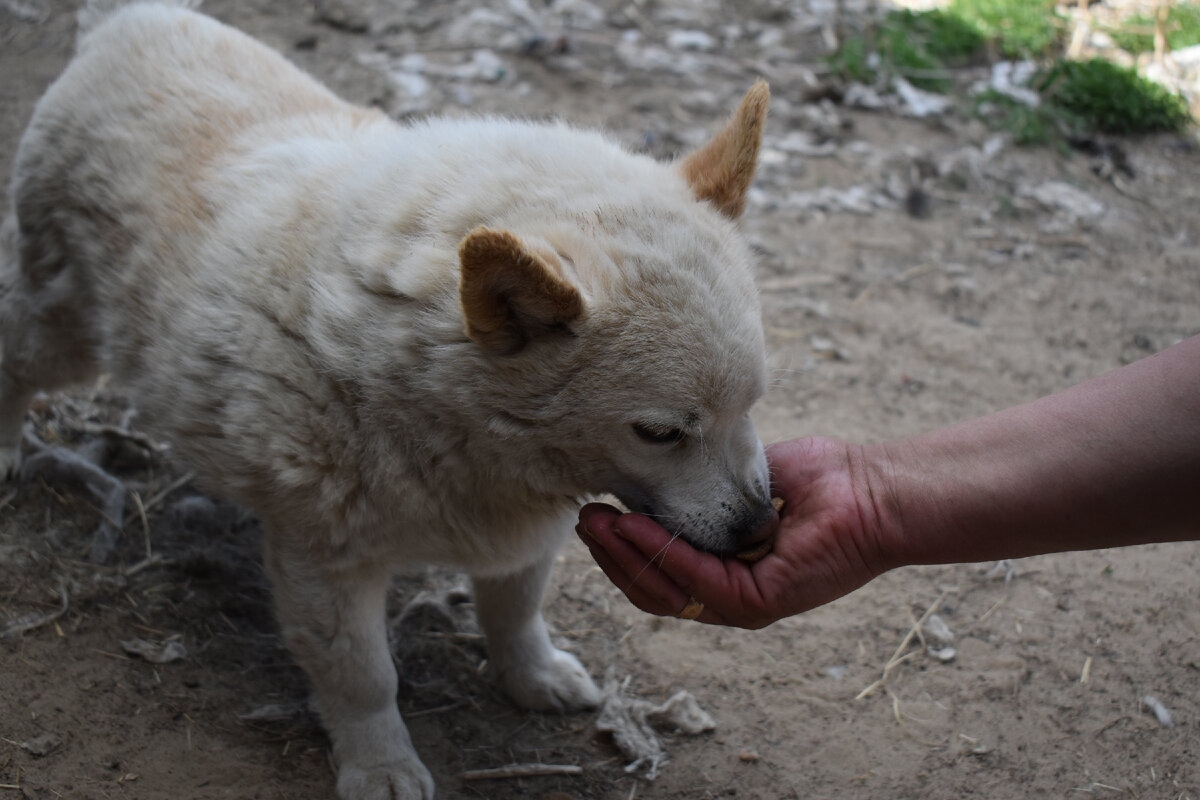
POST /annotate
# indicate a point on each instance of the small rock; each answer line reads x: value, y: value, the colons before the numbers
x: 1161, y: 712
x: 690, y: 40
x: 155, y: 653
x: 858, y: 95
x: 1065, y: 198
x: 42, y: 745
x: 920, y: 103
x: 936, y: 629
x: 1011, y: 79
x: 805, y: 144
x: 484, y: 66
x: 943, y: 654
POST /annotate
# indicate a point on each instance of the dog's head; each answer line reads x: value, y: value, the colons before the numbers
x: 636, y: 333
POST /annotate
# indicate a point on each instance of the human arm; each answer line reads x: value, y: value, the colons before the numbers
x: 1113, y: 461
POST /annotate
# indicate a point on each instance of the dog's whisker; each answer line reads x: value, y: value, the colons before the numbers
x: 657, y: 557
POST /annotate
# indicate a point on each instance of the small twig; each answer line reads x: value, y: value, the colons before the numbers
x: 900, y: 721
x: 98, y: 429
x: 425, y: 712
x: 521, y: 771
x: 897, y: 657
x: 991, y: 610
x: 141, y: 509
x: 153, y: 561
x: 1110, y: 723
x: 107, y: 654
x: 158, y: 498
x: 887, y: 670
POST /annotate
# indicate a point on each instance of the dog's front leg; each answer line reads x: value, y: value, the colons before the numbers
x: 334, y: 623
x: 536, y: 674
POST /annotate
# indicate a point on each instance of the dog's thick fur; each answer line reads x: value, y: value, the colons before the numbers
x: 396, y: 344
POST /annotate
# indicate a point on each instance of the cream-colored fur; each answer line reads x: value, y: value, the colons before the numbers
x: 397, y: 344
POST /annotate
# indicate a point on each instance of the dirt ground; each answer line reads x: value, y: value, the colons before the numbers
x: 914, y: 272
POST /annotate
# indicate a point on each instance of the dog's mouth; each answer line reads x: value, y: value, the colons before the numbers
x: 749, y: 537
x: 636, y: 502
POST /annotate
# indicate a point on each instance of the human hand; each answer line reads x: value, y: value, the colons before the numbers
x: 829, y: 543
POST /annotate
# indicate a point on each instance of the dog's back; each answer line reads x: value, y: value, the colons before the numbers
x: 154, y: 95
x: 117, y: 190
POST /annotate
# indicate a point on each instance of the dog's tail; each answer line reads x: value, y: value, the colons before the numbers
x: 95, y: 12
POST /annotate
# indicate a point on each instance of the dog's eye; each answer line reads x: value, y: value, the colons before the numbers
x: 657, y: 435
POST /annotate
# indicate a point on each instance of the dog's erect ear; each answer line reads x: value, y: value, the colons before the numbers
x: 511, y: 293
x: 722, y: 170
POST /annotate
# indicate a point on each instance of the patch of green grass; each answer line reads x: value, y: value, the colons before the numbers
x: 915, y: 45
x: 853, y: 60
x: 907, y: 56
x: 1028, y: 126
x: 1080, y: 98
x: 1020, y: 28
x: 944, y: 36
x: 1111, y: 99
x: 1182, y: 30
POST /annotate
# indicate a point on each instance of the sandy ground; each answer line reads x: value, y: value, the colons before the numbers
x: 914, y: 273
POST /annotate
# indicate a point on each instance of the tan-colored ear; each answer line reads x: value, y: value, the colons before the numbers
x: 511, y: 294
x: 722, y: 170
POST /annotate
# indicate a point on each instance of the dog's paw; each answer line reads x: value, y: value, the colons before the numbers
x: 559, y: 684
x: 408, y: 780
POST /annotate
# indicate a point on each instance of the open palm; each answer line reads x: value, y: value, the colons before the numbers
x: 828, y: 545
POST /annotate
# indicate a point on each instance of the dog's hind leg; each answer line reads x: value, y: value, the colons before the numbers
x: 47, y: 338
x: 536, y: 674
x: 334, y: 623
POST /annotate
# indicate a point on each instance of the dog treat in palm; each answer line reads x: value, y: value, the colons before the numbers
x: 759, y: 552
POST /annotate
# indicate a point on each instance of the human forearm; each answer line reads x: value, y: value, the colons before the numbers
x: 1114, y: 461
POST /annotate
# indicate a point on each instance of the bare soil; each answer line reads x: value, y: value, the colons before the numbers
x: 914, y: 273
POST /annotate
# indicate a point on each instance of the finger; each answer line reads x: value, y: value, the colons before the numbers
x: 633, y: 549
x: 651, y: 604
x: 693, y: 574
x: 594, y: 510
x: 615, y: 571
x: 723, y: 585
x: 626, y: 566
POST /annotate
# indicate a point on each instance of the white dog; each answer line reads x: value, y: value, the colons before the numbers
x: 397, y: 344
